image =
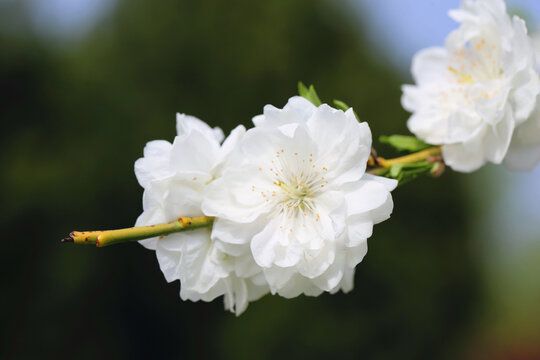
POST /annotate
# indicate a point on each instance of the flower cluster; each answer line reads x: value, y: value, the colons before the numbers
x: 476, y: 95
x: 292, y: 202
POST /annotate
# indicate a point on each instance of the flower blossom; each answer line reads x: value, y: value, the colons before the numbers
x: 471, y: 94
x: 295, y: 197
x: 174, y: 177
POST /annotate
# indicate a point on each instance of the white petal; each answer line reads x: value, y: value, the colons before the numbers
x: 233, y: 233
x: 346, y: 144
x: 169, y: 263
x: 462, y: 126
x: 175, y: 241
x: 286, y: 255
x: 459, y: 159
x: 524, y: 97
x: 467, y: 156
x: 293, y: 287
x: 330, y: 279
x: 236, y: 299
x: 429, y: 64
x: 246, y: 267
x: 186, y: 123
x: 155, y: 163
x: 183, y: 198
x: 366, y: 195
x: 153, y: 214
x: 201, y: 262
x: 264, y: 244
x: 234, y: 250
x: 356, y: 254
x: 360, y: 228
x: 316, y: 262
x: 428, y: 122
x: 255, y: 289
x: 297, y: 110
x: 237, y: 196
x: 497, y: 138
x: 230, y: 145
x: 389, y: 184
x: 382, y: 212
x: 347, y: 283
x: 194, y: 153
x: 277, y: 278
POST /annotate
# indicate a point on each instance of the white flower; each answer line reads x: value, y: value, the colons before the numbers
x: 174, y: 177
x: 471, y: 94
x: 296, y: 197
x: 524, y: 151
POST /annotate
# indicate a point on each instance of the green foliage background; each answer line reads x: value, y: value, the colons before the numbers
x: 74, y: 121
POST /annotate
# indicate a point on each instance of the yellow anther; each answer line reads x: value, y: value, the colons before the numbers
x: 461, y: 75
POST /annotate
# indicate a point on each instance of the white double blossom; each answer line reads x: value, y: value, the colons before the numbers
x: 473, y: 93
x: 295, y: 197
x: 293, y: 205
x: 174, y: 177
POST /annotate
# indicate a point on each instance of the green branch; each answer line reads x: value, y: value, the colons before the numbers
x: 407, y: 159
x: 111, y: 237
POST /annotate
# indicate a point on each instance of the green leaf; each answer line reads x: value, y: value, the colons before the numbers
x: 302, y: 90
x: 395, y: 170
x: 309, y: 93
x: 407, y: 172
x: 404, y: 143
x: 340, y: 105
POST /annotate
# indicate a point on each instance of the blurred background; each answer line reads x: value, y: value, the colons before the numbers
x: 454, y: 274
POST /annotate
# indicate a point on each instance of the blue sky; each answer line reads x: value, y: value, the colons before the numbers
x: 404, y: 26
x: 397, y: 27
x: 68, y: 18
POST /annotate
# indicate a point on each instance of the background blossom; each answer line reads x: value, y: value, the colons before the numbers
x: 471, y: 94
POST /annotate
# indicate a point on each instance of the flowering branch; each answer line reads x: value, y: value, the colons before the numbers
x: 411, y: 158
x: 276, y: 188
x: 408, y: 167
x: 111, y: 237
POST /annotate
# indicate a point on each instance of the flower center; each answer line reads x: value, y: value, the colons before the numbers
x: 478, y: 61
x: 462, y: 77
x: 296, y: 195
x: 297, y: 181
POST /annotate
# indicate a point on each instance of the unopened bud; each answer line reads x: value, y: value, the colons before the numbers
x: 437, y: 169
